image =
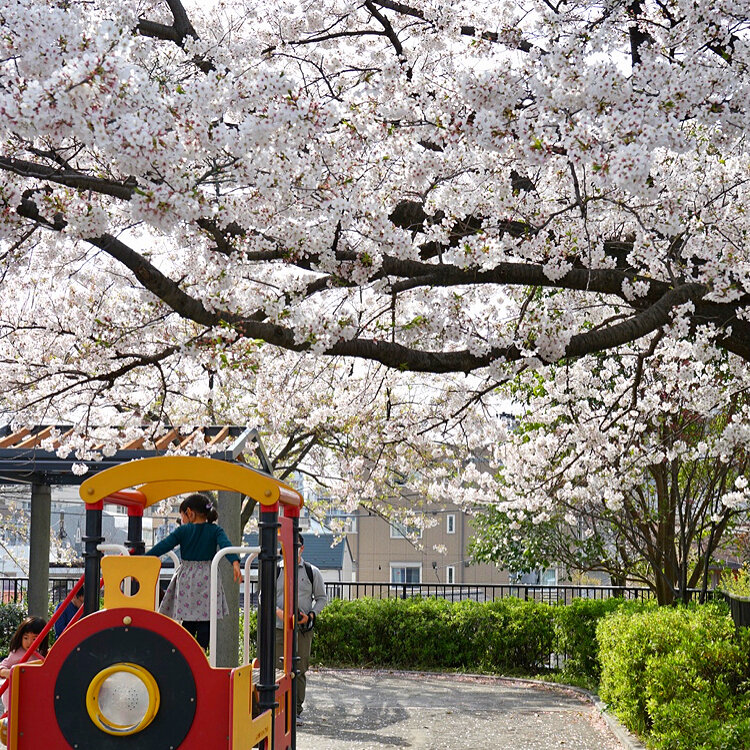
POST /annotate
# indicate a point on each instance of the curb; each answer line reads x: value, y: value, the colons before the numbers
x: 628, y: 740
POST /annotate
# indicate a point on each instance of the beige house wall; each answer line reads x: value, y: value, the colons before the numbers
x: 375, y: 550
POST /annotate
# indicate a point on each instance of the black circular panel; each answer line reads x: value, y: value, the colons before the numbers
x: 138, y: 646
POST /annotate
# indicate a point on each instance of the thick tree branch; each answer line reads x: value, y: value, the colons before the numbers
x: 177, y: 33
x: 181, y: 21
x: 158, y: 31
x: 514, y: 41
x: 390, y: 353
x: 652, y: 310
x: 69, y: 178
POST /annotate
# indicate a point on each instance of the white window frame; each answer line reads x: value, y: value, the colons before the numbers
x: 350, y: 522
x: 411, y: 565
x: 450, y: 573
x: 450, y: 523
x: 548, y: 573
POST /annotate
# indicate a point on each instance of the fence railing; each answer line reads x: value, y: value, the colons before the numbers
x: 14, y: 590
x: 562, y: 594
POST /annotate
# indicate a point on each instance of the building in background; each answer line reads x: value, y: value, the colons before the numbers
x: 67, y: 529
x: 333, y: 557
x: 383, y: 551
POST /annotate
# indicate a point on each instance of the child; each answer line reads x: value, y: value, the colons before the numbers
x: 20, y: 643
x: 68, y: 613
x: 187, y: 596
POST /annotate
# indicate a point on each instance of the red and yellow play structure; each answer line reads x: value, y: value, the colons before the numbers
x: 126, y: 677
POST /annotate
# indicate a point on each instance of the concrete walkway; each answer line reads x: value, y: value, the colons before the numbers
x: 369, y: 710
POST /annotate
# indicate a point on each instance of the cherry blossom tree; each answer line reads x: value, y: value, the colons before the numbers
x: 358, y: 435
x: 633, y: 467
x: 460, y: 191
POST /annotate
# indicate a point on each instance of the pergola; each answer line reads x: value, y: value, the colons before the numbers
x: 24, y: 461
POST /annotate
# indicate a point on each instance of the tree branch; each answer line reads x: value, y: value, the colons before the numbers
x: 67, y: 177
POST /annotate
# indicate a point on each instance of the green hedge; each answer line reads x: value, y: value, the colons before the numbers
x: 11, y: 616
x: 252, y: 624
x: 680, y: 677
x: 435, y: 634
x: 502, y: 636
x: 575, y: 632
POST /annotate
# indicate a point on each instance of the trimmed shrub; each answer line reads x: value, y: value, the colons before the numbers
x: 680, y: 676
x: 252, y: 624
x: 11, y: 616
x: 575, y: 632
x: 435, y: 634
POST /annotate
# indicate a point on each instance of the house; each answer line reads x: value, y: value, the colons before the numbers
x: 384, y: 553
x: 333, y: 558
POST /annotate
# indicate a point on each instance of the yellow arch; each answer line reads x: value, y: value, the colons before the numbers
x: 166, y: 476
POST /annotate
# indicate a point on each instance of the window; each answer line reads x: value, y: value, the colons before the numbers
x: 549, y: 577
x: 406, y: 572
x: 403, y: 531
x: 304, y: 519
x: 450, y: 574
x: 338, y: 521
x: 450, y: 523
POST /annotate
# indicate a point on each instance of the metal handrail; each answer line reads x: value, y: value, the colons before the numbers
x: 213, y: 591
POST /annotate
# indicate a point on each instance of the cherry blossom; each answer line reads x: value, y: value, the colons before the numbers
x: 374, y: 214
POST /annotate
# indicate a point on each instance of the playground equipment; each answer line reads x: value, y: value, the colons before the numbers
x: 126, y: 677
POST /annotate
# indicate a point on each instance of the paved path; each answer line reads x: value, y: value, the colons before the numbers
x: 370, y: 710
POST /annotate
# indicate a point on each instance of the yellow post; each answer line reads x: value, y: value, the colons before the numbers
x: 247, y: 731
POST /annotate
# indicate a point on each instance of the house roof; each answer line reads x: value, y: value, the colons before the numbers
x: 23, y: 459
x: 318, y: 550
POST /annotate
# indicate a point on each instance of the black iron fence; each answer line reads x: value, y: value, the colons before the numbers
x: 563, y: 594
x: 14, y: 590
x: 739, y: 606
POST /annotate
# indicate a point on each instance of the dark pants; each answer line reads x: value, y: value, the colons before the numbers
x: 304, y: 644
x: 199, y: 629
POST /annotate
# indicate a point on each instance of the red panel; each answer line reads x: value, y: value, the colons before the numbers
x: 282, y: 736
x: 283, y: 729
x: 37, y: 724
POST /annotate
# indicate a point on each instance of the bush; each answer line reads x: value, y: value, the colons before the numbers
x: 736, y: 582
x: 679, y: 676
x: 435, y: 634
x: 252, y: 624
x: 575, y: 632
x: 10, y: 618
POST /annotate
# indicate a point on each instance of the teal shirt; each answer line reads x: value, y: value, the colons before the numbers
x: 197, y: 541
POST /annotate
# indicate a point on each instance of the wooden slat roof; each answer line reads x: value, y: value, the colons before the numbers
x: 23, y: 460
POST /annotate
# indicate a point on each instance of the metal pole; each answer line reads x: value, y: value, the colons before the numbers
x: 41, y: 512
x: 229, y: 627
x: 268, y: 525
x: 214, y: 654
x: 295, y: 609
x: 92, y: 558
x: 135, y: 531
